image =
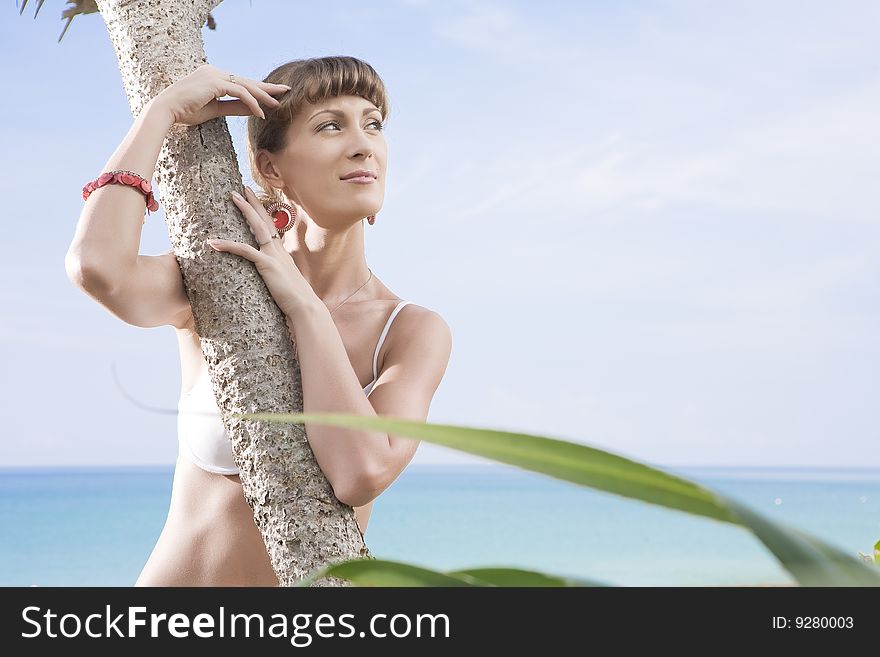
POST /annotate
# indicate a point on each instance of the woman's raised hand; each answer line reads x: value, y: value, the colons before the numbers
x: 194, y: 99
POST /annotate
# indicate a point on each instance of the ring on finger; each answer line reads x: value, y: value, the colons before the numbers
x: 231, y: 78
x: 276, y: 235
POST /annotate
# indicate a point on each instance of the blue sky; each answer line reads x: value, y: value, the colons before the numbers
x: 650, y: 225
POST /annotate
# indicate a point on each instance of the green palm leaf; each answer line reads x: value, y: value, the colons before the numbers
x: 809, y: 560
x: 379, y: 572
x: 519, y: 577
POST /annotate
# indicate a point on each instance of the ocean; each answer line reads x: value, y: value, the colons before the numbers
x: 96, y: 526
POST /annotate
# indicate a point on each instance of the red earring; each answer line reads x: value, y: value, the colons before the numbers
x: 372, y: 219
x: 283, y: 216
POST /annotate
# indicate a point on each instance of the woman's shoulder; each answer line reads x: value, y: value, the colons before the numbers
x: 402, y: 317
x: 422, y: 334
x: 405, y: 308
x: 413, y: 318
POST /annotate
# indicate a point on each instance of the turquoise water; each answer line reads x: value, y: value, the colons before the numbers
x: 97, y: 526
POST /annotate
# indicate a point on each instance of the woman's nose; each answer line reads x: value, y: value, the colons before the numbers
x: 362, y: 142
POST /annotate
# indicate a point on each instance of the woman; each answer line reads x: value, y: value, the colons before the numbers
x: 318, y: 148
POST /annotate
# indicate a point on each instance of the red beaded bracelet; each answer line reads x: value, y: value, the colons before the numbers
x: 123, y: 177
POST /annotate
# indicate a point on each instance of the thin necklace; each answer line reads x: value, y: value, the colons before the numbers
x: 355, y: 292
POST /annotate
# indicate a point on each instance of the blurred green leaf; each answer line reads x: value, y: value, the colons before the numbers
x: 519, y: 577
x: 379, y: 572
x: 809, y: 560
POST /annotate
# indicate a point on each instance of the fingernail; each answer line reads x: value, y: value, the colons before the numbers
x: 236, y: 194
x: 213, y: 243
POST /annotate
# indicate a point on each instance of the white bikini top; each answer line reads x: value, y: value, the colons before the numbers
x: 201, y: 435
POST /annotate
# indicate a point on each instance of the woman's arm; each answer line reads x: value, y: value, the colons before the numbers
x: 347, y: 457
x: 360, y: 464
x: 107, y: 239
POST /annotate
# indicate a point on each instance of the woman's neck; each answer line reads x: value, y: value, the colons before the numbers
x: 334, y: 264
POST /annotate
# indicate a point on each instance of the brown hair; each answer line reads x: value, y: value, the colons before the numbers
x: 313, y: 80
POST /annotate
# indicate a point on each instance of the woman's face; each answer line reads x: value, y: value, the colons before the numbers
x: 325, y: 142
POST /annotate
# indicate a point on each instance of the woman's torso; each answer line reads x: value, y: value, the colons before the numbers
x: 210, y: 537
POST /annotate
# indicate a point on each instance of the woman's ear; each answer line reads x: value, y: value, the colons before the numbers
x: 267, y: 170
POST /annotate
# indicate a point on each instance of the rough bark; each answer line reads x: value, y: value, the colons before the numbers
x: 245, y: 341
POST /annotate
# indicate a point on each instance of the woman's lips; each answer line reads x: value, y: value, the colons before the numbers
x: 360, y: 180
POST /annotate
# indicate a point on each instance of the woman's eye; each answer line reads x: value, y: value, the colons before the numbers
x: 379, y: 124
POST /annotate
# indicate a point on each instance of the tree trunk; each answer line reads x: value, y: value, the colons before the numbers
x: 245, y: 340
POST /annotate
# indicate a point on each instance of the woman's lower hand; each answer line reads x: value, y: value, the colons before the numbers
x: 289, y: 288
